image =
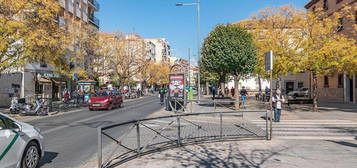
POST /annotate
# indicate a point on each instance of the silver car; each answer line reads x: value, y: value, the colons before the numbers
x: 21, y: 145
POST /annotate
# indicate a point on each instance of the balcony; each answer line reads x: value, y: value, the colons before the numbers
x: 95, y: 21
x: 94, y: 3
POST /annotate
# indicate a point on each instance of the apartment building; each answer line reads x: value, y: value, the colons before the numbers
x: 162, y: 49
x: 338, y: 86
x: 41, y: 79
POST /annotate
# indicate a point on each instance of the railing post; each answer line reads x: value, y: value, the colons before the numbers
x: 266, y: 125
x: 220, y: 124
x: 178, y: 131
x: 138, y: 138
x: 99, y: 129
x: 191, y: 106
x: 271, y: 124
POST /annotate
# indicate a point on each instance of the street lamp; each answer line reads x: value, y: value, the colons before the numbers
x: 197, y: 4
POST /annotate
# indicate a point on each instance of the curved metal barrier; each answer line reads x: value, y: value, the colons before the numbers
x: 122, y: 142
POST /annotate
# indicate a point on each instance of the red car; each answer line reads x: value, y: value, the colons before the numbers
x: 105, y: 100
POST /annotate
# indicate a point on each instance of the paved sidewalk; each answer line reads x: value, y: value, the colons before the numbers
x: 262, y: 154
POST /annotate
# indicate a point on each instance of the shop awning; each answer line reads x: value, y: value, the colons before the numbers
x: 58, y: 82
x: 44, y: 80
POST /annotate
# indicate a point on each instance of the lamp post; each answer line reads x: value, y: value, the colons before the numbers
x: 197, y: 4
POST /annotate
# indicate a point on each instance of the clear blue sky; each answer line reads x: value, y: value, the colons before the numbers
x: 161, y: 18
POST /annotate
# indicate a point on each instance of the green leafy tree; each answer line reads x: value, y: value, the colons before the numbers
x: 229, y: 49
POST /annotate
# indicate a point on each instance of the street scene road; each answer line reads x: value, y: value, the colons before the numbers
x: 171, y: 83
x: 70, y: 139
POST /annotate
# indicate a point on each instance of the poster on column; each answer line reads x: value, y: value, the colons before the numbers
x: 176, y: 85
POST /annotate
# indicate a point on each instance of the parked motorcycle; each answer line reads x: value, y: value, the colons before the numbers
x: 17, y: 105
x: 36, y: 108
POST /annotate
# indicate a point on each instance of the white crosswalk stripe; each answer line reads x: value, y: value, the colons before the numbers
x: 313, y: 129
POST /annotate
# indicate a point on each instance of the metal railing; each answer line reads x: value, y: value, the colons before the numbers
x: 129, y: 140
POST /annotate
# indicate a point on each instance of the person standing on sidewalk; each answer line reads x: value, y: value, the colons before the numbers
x: 278, y: 100
x: 243, y: 95
x: 214, y: 90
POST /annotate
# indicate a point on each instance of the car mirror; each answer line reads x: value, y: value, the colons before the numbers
x: 16, y: 127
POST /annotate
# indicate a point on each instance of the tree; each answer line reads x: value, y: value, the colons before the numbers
x: 229, y: 49
x: 276, y: 29
x: 303, y: 41
x: 30, y: 34
x: 324, y: 49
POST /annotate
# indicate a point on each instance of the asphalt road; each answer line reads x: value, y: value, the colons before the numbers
x: 71, y: 139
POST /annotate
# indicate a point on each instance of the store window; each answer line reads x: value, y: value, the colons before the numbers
x: 38, y: 88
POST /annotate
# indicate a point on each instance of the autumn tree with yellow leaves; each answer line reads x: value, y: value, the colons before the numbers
x: 304, y: 41
x: 29, y: 33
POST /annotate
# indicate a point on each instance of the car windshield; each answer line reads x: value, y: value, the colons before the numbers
x: 102, y: 94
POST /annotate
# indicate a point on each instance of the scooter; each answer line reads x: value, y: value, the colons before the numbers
x: 17, y: 105
x: 35, y: 109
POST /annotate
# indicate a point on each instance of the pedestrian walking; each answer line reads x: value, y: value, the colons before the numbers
x: 278, y: 100
x: 214, y: 91
x: 162, y: 95
x: 66, y: 96
x: 232, y: 92
x: 243, y: 95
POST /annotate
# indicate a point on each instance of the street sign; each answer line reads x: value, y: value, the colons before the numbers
x: 269, y: 60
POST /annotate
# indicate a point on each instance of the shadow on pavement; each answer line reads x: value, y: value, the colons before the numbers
x: 232, y: 157
x: 47, y: 159
x: 344, y: 143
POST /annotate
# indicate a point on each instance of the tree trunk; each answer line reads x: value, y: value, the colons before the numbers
x: 222, y: 89
x: 314, y: 94
x: 236, y: 91
x: 259, y: 84
x: 207, y: 89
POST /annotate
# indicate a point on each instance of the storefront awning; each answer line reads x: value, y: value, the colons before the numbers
x: 58, y: 82
x: 44, y: 80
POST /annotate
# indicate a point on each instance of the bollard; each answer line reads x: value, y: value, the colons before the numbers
x: 99, y: 129
x: 138, y: 138
x: 220, y: 124
x: 178, y: 131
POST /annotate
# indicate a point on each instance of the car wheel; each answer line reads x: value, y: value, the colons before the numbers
x: 31, y: 156
x: 90, y: 109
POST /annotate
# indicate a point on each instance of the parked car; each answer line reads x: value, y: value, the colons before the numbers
x: 301, y: 92
x: 21, y: 145
x: 105, y: 100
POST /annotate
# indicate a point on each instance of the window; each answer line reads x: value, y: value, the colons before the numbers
x: 340, y: 81
x: 300, y: 84
x: 2, y: 124
x: 326, y: 84
x: 11, y: 124
x: 38, y: 88
x: 340, y: 24
x: 325, y: 5
x: 338, y: 1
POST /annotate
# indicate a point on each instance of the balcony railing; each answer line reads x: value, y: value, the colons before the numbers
x: 94, y: 20
x: 94, y: 3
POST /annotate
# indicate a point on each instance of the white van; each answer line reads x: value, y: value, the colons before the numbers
x: 21, y: 145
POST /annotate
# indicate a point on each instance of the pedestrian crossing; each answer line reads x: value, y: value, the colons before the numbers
x: 312, y: 129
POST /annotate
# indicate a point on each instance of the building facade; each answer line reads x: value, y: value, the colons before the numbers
x: 162, y: 50
x: 337, y: 87
x: 41, y: 79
